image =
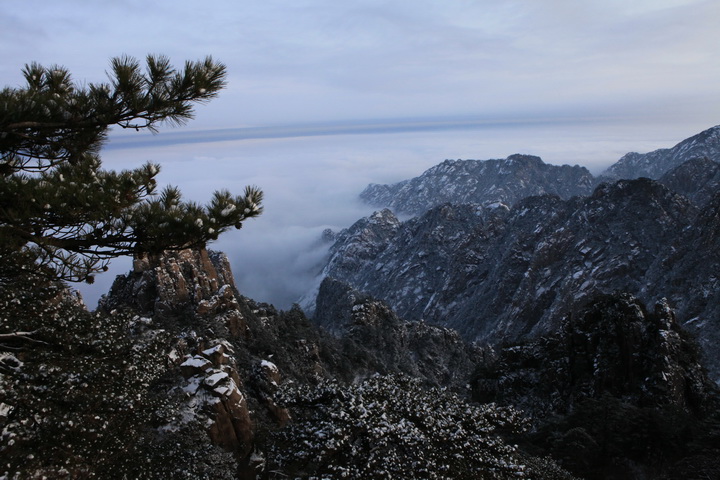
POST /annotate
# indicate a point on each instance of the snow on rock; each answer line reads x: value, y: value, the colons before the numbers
x: 493, y: 183
x: 493, y: 274
x: 195, y: 366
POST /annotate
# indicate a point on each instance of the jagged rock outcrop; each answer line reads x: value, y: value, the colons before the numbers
x: 497, y: 274
x: 654, y: 164
x: 697, y: 179
x: 213, y: 390
x: 172, y: 282
x: 438, y: 356
x: 611, y: 392
x: 484, y: 182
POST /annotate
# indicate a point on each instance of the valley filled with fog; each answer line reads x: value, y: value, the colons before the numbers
x: 312, y: 181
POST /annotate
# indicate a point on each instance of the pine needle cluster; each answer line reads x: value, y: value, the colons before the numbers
x: 61, y: 213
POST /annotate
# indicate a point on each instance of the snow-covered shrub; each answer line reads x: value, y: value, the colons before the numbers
x: 393, y: 427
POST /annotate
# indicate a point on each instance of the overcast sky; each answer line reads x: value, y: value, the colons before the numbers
x: 325, y: 60
x: 313, y: 82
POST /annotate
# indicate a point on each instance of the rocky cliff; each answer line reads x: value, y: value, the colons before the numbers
x: 482, y: 182
x: 618, y: 392
x: 655, y: 164
x: 504, y: 273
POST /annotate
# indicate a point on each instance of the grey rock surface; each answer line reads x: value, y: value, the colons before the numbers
x: 499, y: 274
x: 483, y: 182
x: 654, y: 164
x: 509, y: 180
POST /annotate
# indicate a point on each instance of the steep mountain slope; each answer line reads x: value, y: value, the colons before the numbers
x: 688, y: 276
x: 502, y: 274
x: 618, y: 392
x: 697, y: 179
x: 654, y: 164
x: 481, y: 182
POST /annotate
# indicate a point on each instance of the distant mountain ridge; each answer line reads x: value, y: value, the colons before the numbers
x: 482, y: 182
x: 502, y: 274
x: 519, y: 176
x: 655, y: 164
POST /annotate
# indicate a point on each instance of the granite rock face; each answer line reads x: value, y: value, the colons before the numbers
x: 501, y: 274
x: 172, y: 282
x: 655, y: 164
x: 484, y: 182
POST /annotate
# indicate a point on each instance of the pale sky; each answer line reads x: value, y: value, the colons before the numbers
x: 325, y: 60
x: 574, y: 81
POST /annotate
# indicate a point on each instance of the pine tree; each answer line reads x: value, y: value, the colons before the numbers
x: 61, y: 214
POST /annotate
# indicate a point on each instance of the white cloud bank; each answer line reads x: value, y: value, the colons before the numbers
x: 312, y: 183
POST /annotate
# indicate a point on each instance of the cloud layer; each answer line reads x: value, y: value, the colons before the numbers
x: 312, y: 182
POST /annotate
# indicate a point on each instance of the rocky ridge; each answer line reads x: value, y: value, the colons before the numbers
x: 487, y: 182
x: 500, y: 274
x: 655, y: 164
x: 483, y: 182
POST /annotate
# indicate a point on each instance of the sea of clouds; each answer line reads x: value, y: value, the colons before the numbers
x: 312, y: 178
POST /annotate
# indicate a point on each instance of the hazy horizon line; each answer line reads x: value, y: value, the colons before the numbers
x: 333, y: 128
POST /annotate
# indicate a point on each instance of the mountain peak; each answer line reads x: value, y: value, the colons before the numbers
x: 524, y: 159
x: 484, y: 182
x: 654, y: 164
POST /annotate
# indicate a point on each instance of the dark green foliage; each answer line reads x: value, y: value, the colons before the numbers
x: 610, y: 438
x: 61, y: 214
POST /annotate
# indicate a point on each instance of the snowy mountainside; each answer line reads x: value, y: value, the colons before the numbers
x: 502, y: 274
x: 482, y: 182
x: 509, y: 180
x: 698, y: 179
x: 220, y: 386
x: 705, y: 144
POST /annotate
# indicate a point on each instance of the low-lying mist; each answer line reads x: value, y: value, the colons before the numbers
x: 312, y: 183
